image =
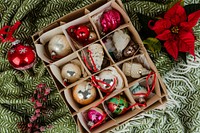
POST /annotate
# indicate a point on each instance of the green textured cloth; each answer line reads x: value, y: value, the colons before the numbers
x: 182, y: 113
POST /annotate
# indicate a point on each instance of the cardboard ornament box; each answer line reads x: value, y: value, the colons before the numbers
x: 86, y: 15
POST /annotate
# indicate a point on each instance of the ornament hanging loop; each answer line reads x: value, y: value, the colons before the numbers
x: 15, y: 42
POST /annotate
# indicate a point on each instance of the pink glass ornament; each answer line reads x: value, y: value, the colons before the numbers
x: 110, y: 20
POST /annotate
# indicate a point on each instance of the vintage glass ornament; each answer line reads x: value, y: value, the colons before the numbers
x: 131, y: 49
x: 82, y: 33
x: 110, y: 20
x: 95, y: 115
x: 134, y: 70
x: 117, y: 105
x: 108, y: 77
x: 71, y: 72
x: 59, y: 47
x: 112, y: 79
x: 84, y: 93
x: 92, y: 37
x: 96, y: 56
x: 20, y: 56
x: 136, y: 89
x: 120, y: 37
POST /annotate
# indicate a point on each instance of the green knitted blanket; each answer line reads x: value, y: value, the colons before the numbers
x: 182, y: 112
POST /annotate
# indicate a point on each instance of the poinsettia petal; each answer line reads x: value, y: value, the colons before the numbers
x: 166, y: 35
x: 192, y: 20
x: 172, y: 48
x: 176, y: 14
x: 186, y: 42
x: 161, y: 25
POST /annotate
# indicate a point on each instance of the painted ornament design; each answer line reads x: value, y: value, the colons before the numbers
x: 84, y: 93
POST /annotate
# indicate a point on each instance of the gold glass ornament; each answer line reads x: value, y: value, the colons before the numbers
x: 84, y: 93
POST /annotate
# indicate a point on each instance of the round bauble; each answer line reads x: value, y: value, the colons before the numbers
x: 95, y: 115
x: 21, y: 57
x: 110, y: 20
x: 117, y: 105
x: 71, y: 72
x: 82, y: 33
x: 109, y: 78
x: 92, y: 37
x: 84, y: 93
x: 59, y: 47
x: 130, y: 50
x: 136, y: 89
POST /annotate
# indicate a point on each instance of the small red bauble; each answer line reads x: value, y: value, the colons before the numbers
x: 82, y: 33
x: 21, y: 57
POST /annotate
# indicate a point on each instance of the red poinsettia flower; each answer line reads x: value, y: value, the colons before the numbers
x: 176, y: 30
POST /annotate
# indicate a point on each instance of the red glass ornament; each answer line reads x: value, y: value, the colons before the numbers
x: 110, y: 20
x: 82, y: 33
x: 21, y: 57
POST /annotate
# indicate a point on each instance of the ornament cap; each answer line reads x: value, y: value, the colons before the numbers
x: 142, y: 100
x: 65, y: 80
x: 16, y: 42
x: 53, y: 54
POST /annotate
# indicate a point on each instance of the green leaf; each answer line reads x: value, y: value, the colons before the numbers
x: 153, y: 46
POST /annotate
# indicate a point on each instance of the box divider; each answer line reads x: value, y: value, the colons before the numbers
x: 107, y: 112
x: 161, y: 101
x: 127, y: 116
x: 130, y: 97
x: 128, y: 59
x: 86, y: 11
x: 162, y: 85
x: 83, y: 122
x: 69, y: 98
x: 40, y: 49
x: 122, y: 74
x: 93, y: 104
x: 106, y: 52
x: 164, y: 99
x: 157, y: 87
x: 123, y: 26
x: 58, y: 85
x: 69, y: 39
x: 95, y: 28
x: 74, y: 84
x: 151, y: 101
x: 83, y: 64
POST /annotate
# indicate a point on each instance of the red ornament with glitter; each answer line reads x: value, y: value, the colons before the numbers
x: 110, y: 20
x: 20, y: 56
